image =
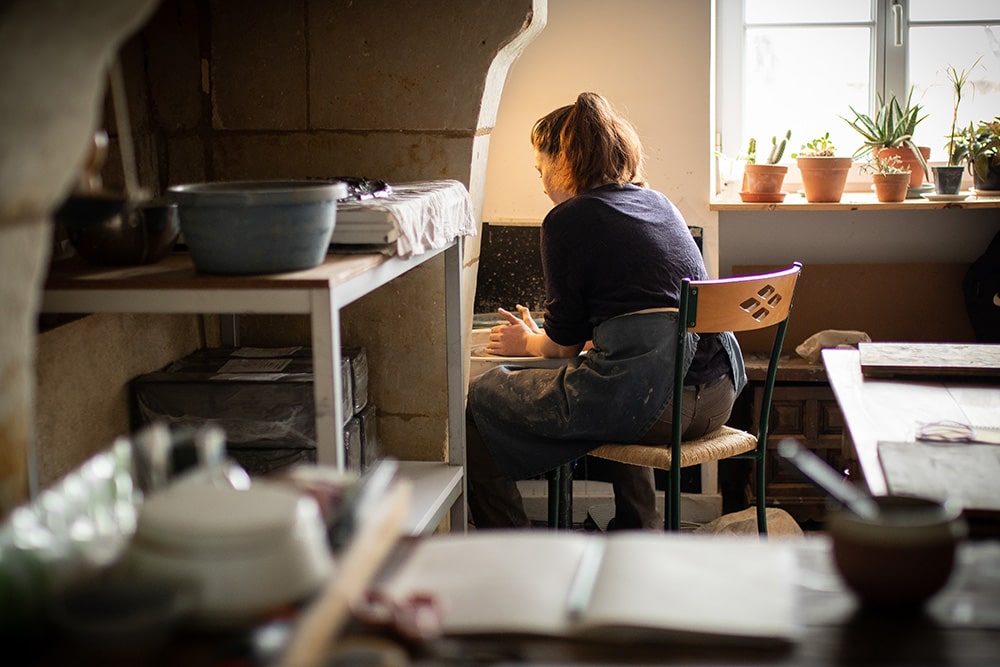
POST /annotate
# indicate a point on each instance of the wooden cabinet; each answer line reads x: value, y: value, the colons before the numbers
x: 803, y: 407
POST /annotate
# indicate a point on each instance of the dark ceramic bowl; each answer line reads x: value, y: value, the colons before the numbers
x: 120, y: 618
x: 902, y: 558
x: 257, y: 227
x: 106, y: 229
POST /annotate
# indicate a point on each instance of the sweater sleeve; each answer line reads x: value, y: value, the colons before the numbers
x: 564, y: 269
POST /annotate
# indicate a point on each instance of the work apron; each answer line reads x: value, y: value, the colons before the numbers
x: 535, y: 419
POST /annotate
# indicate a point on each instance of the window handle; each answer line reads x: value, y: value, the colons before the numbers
x: 897, y: 23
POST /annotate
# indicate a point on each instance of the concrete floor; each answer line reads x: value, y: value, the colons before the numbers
x: 597, y: 499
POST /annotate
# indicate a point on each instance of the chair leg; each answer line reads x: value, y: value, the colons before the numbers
x: 566, y: 496
x: 672, y: 505
x: 761, y: 496
x: 554, y: 496
x: 560, y: 497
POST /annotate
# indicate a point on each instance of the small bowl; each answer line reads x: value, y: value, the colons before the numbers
x: 106, y: 229
x: 120, y: 617
x: 902, y: 558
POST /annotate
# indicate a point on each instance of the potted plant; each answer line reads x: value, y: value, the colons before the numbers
x: 890, y: 175
x: 948, y: 178
x: 890, y: 131
x: 979, y: 147
x: 762, y: 182
x: 824, y: 175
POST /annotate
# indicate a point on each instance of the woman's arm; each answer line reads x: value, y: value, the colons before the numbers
x: 521, y: 337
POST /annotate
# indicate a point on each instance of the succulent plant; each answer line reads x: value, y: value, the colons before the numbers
x: 777, y: 149
x: 891, y: 126
x: 884, y: 164
x: 818, y: 147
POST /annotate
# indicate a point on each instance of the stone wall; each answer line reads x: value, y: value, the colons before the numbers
x: 402, y: 90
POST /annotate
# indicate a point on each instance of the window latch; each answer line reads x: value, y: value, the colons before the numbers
x: 897, y: 23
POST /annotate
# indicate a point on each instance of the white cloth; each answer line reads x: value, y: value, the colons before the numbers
x: 426, y: 214
x: 812, y: 348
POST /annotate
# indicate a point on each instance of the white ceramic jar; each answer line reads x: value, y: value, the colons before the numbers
x: 242, y: 552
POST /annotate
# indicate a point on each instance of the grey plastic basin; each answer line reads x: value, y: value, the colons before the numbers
x: 257, y: 227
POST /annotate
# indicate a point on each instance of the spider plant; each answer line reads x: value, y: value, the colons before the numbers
x: 958, y: 81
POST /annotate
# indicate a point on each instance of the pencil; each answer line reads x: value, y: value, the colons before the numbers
x: 582, y: 586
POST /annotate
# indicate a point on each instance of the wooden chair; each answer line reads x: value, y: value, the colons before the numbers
x: 743, y: 303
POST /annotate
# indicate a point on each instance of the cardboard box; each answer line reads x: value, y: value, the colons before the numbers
x: 357, y: 360
x: 264, y: 460
x: 261, y: 397
x: 371, y: 446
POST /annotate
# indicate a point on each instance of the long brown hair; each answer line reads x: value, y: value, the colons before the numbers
x: 596, y: 143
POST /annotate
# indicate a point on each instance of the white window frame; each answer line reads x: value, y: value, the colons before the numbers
x: 889, y: 74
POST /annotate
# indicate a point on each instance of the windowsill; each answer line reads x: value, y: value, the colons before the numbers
x: 856, y: 201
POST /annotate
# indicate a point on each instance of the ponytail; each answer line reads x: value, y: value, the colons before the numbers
x: 598, y: 145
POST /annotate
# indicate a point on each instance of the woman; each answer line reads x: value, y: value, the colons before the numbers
x: 613, y: 255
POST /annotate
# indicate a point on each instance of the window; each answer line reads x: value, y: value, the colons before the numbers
x: 801, y: 65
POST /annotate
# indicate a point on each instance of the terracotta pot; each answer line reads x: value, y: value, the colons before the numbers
x: 909, y: 159
x: 891, y: 187
x: 824, y: 178
x: 764, y: 178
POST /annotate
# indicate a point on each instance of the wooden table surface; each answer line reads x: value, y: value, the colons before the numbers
x: 959, y: 627
x: 892, y: 409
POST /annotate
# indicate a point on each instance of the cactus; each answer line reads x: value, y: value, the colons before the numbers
x: 778, y: 148
x: 752, y: 151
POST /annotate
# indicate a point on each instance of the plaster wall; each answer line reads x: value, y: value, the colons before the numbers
x: 652, y: 59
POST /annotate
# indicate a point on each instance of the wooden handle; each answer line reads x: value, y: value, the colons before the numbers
x: 325, y: 618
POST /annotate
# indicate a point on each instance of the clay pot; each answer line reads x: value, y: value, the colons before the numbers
x: 891, y: 187
x: 908, y: 157
x: 764, y: 178
x: 824, y: 178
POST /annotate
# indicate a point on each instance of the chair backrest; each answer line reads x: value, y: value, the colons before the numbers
x: 743, y: 303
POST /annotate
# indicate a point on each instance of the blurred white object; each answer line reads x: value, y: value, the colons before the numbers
x: 811, y: 348
x: 243, y: 552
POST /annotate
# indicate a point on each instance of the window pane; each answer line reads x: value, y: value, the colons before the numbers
x: 931, y: 51
x: 954, y: 10
x: 803, y: 79
x: 796, y: 11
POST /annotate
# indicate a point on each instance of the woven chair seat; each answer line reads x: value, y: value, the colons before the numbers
x: 719, y: 444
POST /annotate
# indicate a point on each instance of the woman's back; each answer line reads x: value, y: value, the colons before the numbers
x: 611, y: 251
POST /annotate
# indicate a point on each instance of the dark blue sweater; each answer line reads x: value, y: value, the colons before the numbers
x: 616, y: 250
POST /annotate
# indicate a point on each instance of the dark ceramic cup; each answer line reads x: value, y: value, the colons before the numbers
x: 902, y: 558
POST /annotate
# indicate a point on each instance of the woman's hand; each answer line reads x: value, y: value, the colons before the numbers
x: 522, y: 337
x: 511, y: 339
x: 526, y: 317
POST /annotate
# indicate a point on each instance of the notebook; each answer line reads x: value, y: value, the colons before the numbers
x: 627, y: 586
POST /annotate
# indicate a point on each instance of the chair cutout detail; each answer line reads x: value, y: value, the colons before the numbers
x: 742, y: 303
